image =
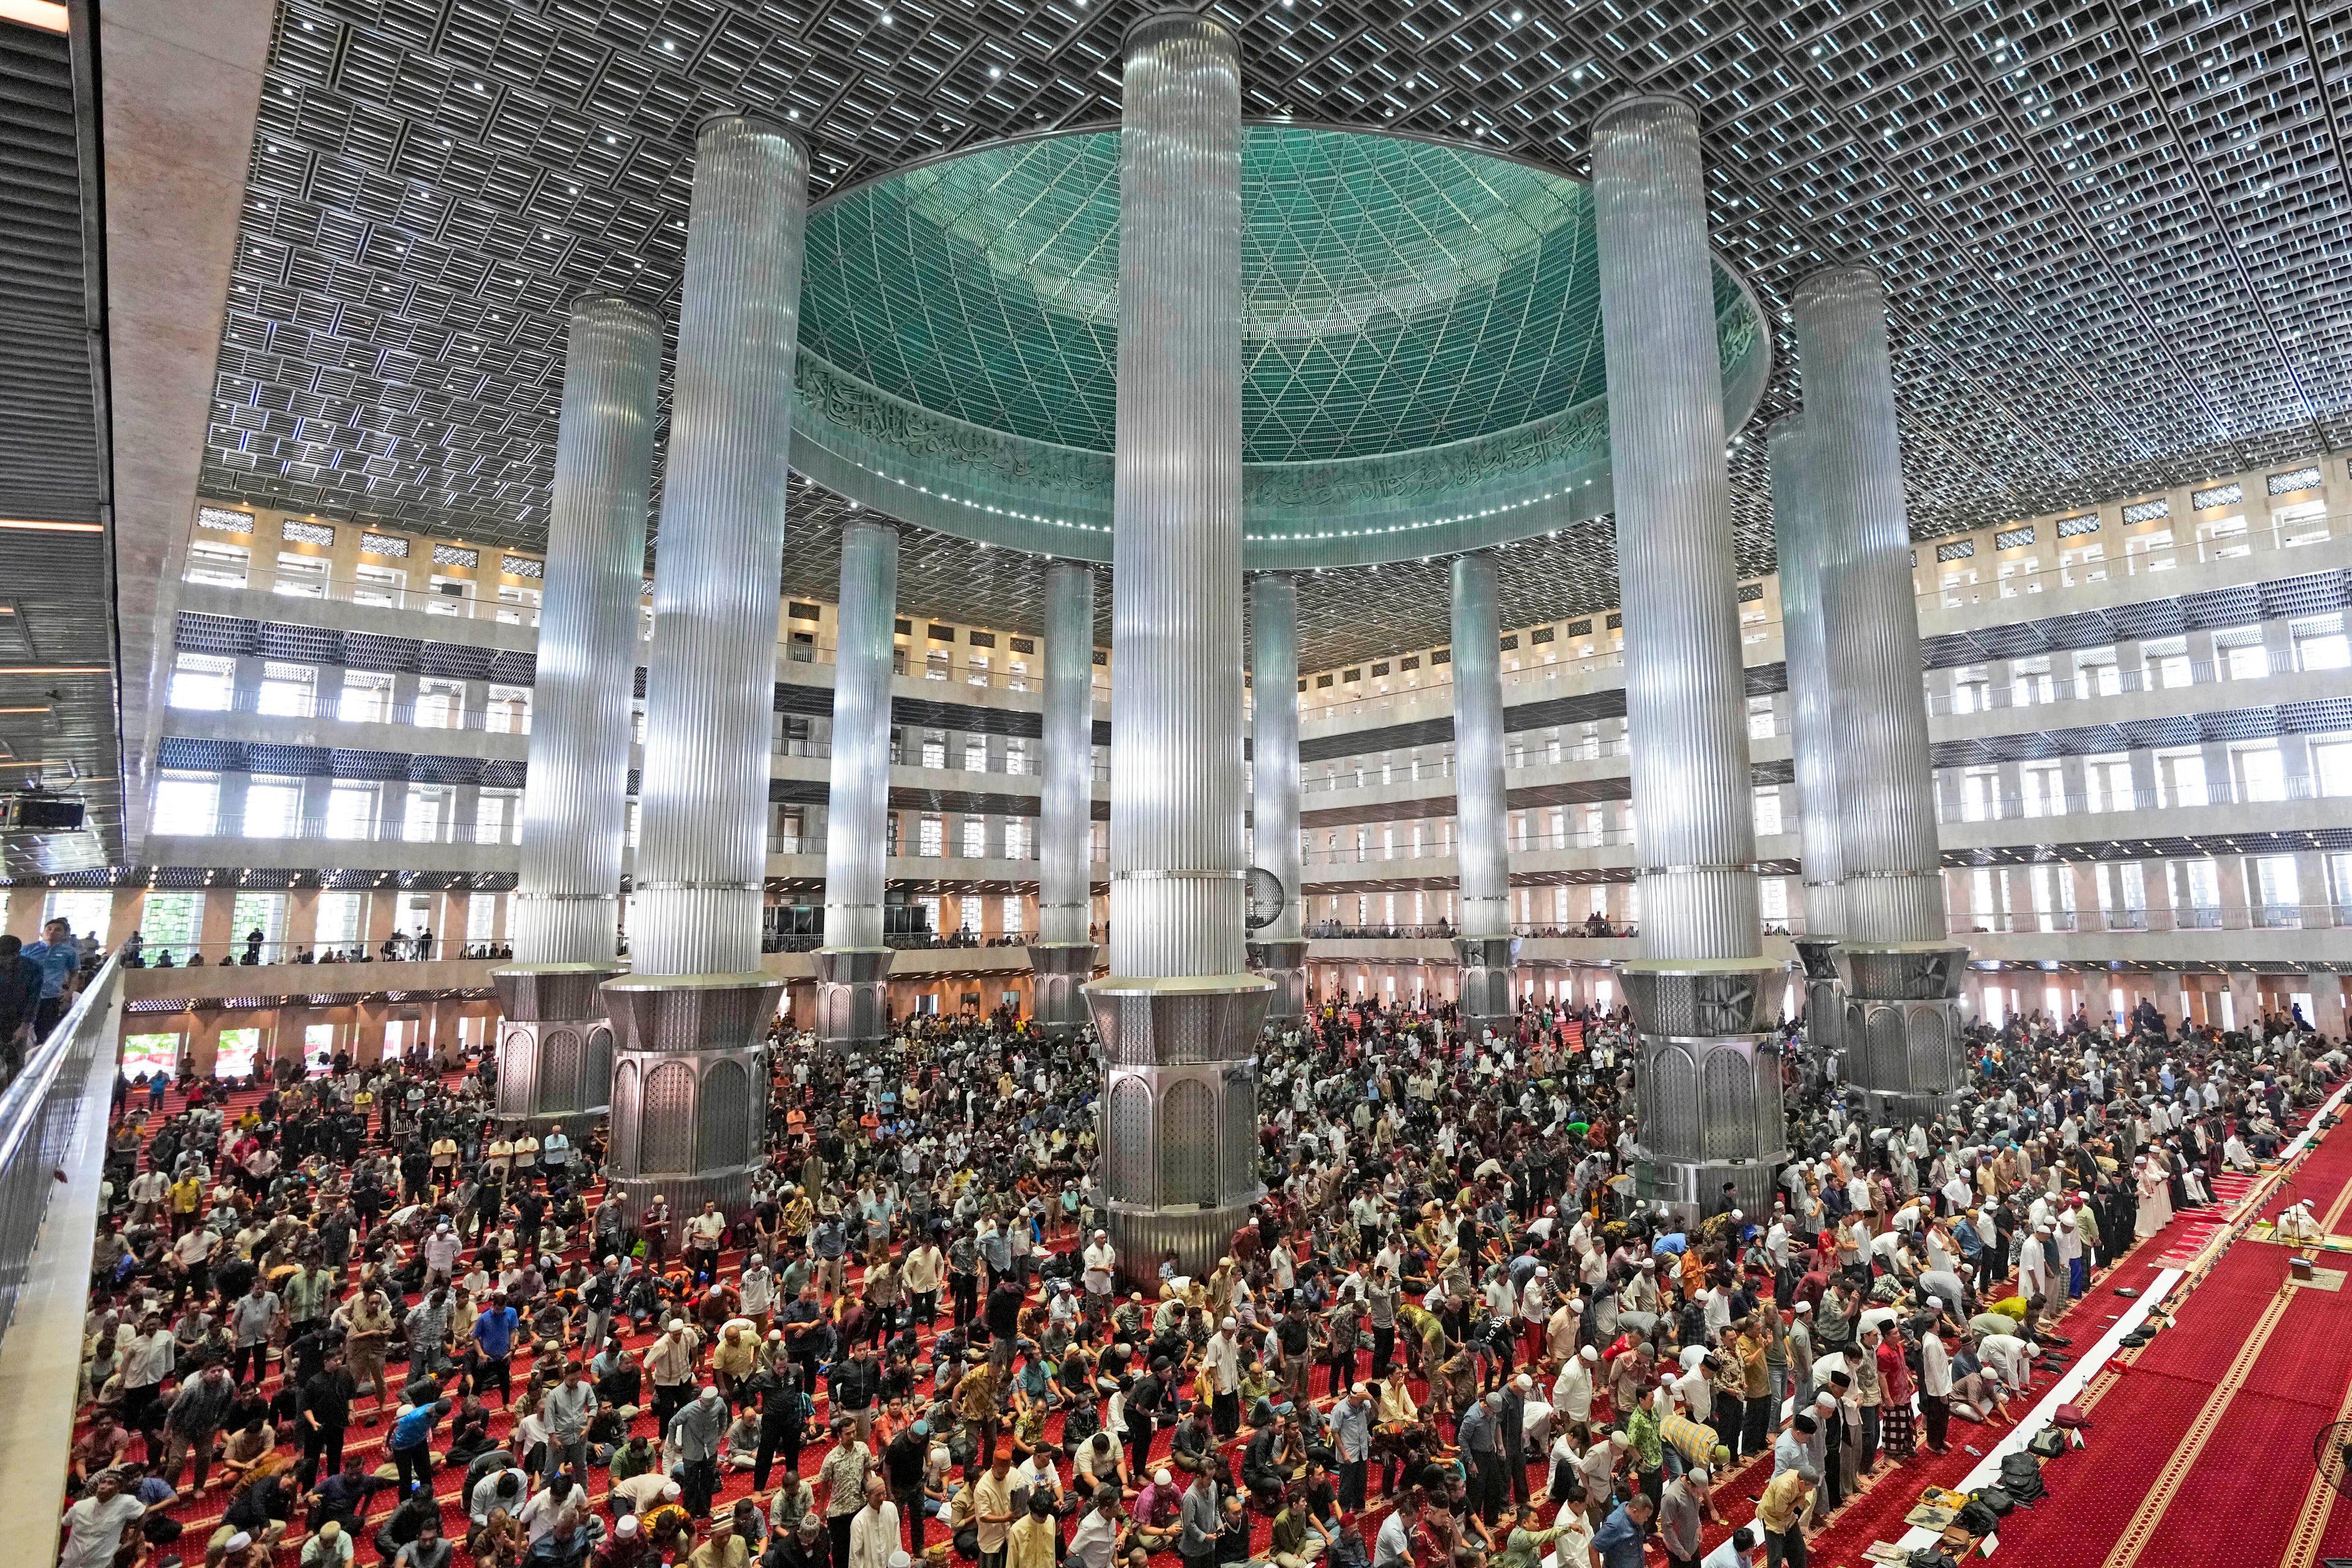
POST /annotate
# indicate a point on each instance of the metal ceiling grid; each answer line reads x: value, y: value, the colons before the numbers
x: 2112, y: 231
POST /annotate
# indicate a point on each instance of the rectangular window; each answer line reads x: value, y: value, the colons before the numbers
x: 440, y: 704
x: 263, y: 912
x: 387, y: 586
x: 338, y: 919
x: 421, y: 823
x: 186, y: 803
x: 975, y: 837
x: 518, y: 606
x: 144, y: 1054
x: 289, y: 690
x: 971, y: 914
x: 509, y: 711
x: 87, y: 911
x: 203, y: 680
x: 2331, y: 767
x: 497, y: 815
x: 168, y: 921
x: 931, y: 837
x: 1015, y: 919
x: 222, y: 564
x: 301, y: 576
x: 366, y: 698
x: 273, y: 809
x: 448, y: 596
x: 233, y: 1057
x: 351, y: 810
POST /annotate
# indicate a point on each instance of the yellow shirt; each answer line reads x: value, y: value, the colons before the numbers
x: 1031, y: 1541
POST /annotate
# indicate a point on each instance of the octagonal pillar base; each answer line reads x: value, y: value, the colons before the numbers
x: 555, y: 1048
x: 1283, y: 964
x: 1488, y: 995
x: 1059, y: 972
x: 853, y: 997
x: 1710, y: 1083
x: 689, y: 1106
x: 1901, y: 1043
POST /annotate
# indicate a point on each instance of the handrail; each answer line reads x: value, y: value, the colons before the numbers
x: 37, y: 1113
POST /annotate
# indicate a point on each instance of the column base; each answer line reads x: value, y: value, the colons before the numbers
x: 853, y: 997
x: 1180, y: 1120
x: 1489, y: 996
x: 1711, y: 1101
x: 1283, y: 961
x: 1901, y: 1038
x: 1059, y: 972
x: 1824, y: 1005
x: 555, y: 1048
x: 689, y: 1107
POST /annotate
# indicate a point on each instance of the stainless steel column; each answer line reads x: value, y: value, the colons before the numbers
x: 1798, y: 537
x: 1703, y: 1000
x: 1179, y: 1018
x: 1277, y: 950
x: 555, y: 1050
x: 853, y: 967
x: 688, y: 1102
x: 1484, y: 946
x: 1902, y: 970
x: 1062, y: 959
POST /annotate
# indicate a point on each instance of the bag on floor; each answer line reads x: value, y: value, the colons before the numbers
x: 2069, y: 1417
x: 1999, y: 1501
x: 2020, y: 1478
x: 1976, y: 1518
x: 2047, y: 1444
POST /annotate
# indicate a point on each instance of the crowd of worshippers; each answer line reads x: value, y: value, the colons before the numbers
x: 1448, y: 1336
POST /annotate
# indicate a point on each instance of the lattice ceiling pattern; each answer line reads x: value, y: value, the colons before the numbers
x: 1397, y: 294
x: 2113, y: 232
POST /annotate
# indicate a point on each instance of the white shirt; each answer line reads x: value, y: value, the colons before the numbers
x: 873, y: 1536
x: 1101, y: 1259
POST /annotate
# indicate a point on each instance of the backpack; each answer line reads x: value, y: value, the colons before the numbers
x: 2047, y: 1444
x: 1976, y: 1518
x: 2020, y: 1478
x: 1998, y: 1500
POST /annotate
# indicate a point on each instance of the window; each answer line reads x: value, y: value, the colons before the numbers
x: 2306, y: 523
x: 935, y: 665
x: 931, y: 837
x: 448, y: 596
x: 301, y: 576
x: 1016, y: 839
x: 970, y: 915
x: 2224, y: 538
x: 186, y: 803
x: 1772, y: 898
x: 144, y: 1054
x: 2241, y: 655
x: 2261, y: 774
x: 975, y: 754
x: 263, y: 912
x: 366, y: 699
x: 318, y: 1049
x: 976, y: 672
x: 2279, y: 890
x: 235, y: 1055
x: 2108, y: 783
x: 2319, y: 643
x: 221, y: 564
x: 273, y: 809
x: 509, y: 712
x: 338, y: 919
x: 351, y: 810
x: 203, y: 680
x: 421, y: 824
x: 87, y: 911
x: 1760, y: 717
x: 518, y: 606
x: 2331, y: 767
x: 496, y: 813
x: 289, y: 690
x: 384, y: 585
x: 935, y: 750
x: 169, y: 920
x: 1768, y: 810
x: 440, y: 704
x: 1015, y: 920
x: 975, y: 837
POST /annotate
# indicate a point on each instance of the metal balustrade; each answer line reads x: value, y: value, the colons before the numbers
x: 38, y: 1114
x: 2165, y: 797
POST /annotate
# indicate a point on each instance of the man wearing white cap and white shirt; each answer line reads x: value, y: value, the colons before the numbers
x: 1101, y: 1259
x: 1534, y: 1306
x: 1571, y: 1392
x: 1223, y: 1356
x: 670, y: 1363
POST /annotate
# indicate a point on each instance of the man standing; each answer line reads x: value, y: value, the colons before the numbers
x: 1223, y: 1358
x: 326, y: 1413
x: 698, y: 1428
x: 57, y: 959
x: 1681, y: 1514
x: 255, y: 1317
x: 1351, y: 1440
x: 566, y: 1412
x: 1619, y: 1541
x: 670, y: 1364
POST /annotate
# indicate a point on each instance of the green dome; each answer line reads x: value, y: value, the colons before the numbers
x: 1420, y: 338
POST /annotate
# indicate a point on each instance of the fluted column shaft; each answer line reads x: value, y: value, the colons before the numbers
x: 710, y: 682
x: 688, y: 1104
x: 1686, y: 692
x: 1176, y: 626
x: 555, y: 1052
x: 1890, y: 854
x: 858, y: 799
x: 575, y: 793
x: 1274, y: 744
x: 1180, y: 1021
x: 1480, y: 838
x: 1702, y: 998
x: 1065, y: 814
x: 1798, y: 536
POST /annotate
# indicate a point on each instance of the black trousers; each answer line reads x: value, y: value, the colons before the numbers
x: 1937, y: 1409
x: 1384, y: 1348
x: 1787, y: 1550
x: 1351, y: 1485
x: 698, y: 1483
x: 414, y: 1466
x: 320, y: 1445
x: 911, y: 1509
x: 1486, y: 1485
x: 1731, y: 1422
x: 255, y: 1356
x: 773, y: 1442
x: 1225, y: 1414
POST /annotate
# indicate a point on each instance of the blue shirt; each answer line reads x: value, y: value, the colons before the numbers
x: 57, y: 966
x: 1619, y: 1541
x: 415, y: 1428
x: 494, y: 1330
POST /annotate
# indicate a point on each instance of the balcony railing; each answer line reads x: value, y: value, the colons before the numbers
x: 2168, y: 797
x: 399, y: 948
x: 411, y: 831
x: 38, y: 1113
x: 2186, y: 917
x: 350, y: 708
